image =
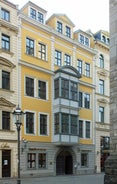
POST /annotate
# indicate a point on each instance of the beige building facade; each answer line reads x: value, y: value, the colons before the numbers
x: 8, y: 88
x: 102, y: 98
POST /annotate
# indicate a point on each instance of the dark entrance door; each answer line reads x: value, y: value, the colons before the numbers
x: 6, y: 163
x: 64, y: 163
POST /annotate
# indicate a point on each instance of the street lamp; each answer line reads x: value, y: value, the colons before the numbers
x: 18, y: 114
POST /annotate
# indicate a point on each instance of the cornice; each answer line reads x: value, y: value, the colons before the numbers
x: 102, y: 73
x: 25, y: 63
x: 87, y: 84
x: 6, y: 103
x: 102, y: 100
x: 8, y: 25
x: 6, y: 62
x: 52, y: 32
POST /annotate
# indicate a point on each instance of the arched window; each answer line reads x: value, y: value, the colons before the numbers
x: 101, y: 61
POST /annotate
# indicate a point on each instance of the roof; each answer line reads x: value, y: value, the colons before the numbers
x: 63, y: 17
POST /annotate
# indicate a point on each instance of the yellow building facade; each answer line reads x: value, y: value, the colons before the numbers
x: 57, y: 91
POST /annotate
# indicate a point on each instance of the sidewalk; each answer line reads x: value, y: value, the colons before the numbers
x: 69, y: 179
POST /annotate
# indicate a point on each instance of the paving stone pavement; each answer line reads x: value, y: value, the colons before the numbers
x: 81, y: 179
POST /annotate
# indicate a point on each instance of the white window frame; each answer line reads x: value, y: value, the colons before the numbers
x: 47, y: 124
x: 84, y: 129
x: 84, y: 40
x: 26, y: 110
x: 25, y: 86
x: 39, y: 79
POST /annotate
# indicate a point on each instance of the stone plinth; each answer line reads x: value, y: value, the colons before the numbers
x: 111, y: 170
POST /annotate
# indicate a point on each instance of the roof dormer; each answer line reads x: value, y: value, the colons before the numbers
x: 34, y: 12
x: 102, y: 36
x: 82, y: 37
x: 62, y: 24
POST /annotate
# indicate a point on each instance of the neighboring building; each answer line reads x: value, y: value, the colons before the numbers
x: 102, y: 98
x: 8, y: 88
x: 111, y: 163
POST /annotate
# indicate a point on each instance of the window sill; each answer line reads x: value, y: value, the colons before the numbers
x: 4, y: 130
x: 6, y: 51
x: 6, y: 90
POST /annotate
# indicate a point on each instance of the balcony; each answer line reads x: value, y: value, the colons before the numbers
x: 65, y: 140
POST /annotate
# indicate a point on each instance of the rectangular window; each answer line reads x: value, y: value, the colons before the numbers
x: 101, y: 86
x: 5, y: 120
x: 87, y: 123
x: 29, y: 123
x: 58, y: 58
x: 74, y: 130
x: 42, y: 160
x: 67, y: 60
x: 65, y: 123
x: 81, y: 128
x: 84, y: 159
x: 86, y: 101
x: 64, y: 88
x: 33, y: 13
x: 101, y: 61
x: 43, y: 124
x: 81, y: 39
x: 40, y: 17
x: 29, y: 46
x: 31, y: 158
x: 5, y: 42
x: 84, y: 40
x: 80, y: 66
x: 101, y: 114
x: 5, y: 80
x: 42, y: 51
x: 87, y: 70
x: 42, y: 90
x: 59, y: 27
x: 5, y: 14
x: 105, y: 143
x: 80, y: 99
x: 56, y: 123
x: 29, y: 86
x: 68, y: 32
x: 87, y: 41
x: 73, y: 91
x: 56, y: 88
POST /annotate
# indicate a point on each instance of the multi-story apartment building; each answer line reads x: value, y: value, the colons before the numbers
x: 8, y: 88
x: 57, y: 72
x: 102, y: 98
x: 57, y: 94
x: 111, y: 163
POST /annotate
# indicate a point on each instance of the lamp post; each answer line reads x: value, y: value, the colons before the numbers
x: 18, y: 114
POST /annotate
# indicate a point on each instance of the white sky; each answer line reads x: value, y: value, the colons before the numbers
x: 85, y: 14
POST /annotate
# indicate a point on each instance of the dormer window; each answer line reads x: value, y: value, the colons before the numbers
x: 40, y: 17
x: 59, y: 27
x: 108, y: 41
x: 68, y: 31
x: 36, y: 15
x: 84, y: 40
x: 104, y: 39
x: 81, y: 39
x: 33, y: 13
